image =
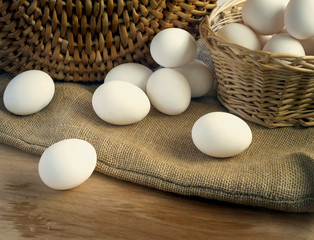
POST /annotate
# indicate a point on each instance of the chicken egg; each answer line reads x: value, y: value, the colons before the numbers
x: 240, y: 34
x: 221, y: 134
x: 28, y: 92
x: 265, y: 17
x: 200, y: 77
x: 284, y: 43
x: 173, y: 47
x: 134, y: 73
x: 120, y: 103
x: 299, y: 18
x: 169, y: 91
x: 67, y: 163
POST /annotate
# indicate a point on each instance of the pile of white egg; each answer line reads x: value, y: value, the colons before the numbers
x: 169, y: 88
x: 279, y: 26
x: 125, y: 98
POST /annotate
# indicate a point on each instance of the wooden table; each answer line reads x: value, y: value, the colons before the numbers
x: 107, y: 208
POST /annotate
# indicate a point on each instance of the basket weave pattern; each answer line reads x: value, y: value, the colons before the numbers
x: 83, y: 40
x: 270, y: 89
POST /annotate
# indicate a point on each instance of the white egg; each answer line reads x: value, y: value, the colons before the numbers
x: 221, y: 134
x: 299, y: 18
x: 120, y: 103
x: 240, y: 34
x: 265, y: 17
x: 67, y: 164
x: 308, y: 45
x: 169, y: 91
x: 134, y: 73
x: 284, y: 43
x: 28, y: 92
x: 200, y: 77
x: 173, y: 47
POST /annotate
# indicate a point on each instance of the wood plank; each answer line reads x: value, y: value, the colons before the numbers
x: 108, y: 208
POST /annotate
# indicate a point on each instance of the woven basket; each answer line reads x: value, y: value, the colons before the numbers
x: 271, y: 89
x: 83, y: 40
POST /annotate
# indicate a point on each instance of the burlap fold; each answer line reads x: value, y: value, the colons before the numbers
x: 276, y: 171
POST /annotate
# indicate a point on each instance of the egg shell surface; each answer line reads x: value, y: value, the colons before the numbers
x: 173, y: 47
x: 169, y: 91
x: 120, y: 103
x: 134, y: 73
x: 284, y: 43
x: 200, y: 77
x: 28, y: 92
x: 299, y: 19
x: 221, y: 134
x: 265, y: 17
x: 67, y: 164
x: 240, y: 34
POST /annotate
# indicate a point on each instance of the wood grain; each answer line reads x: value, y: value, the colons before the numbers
x: 107, y: 208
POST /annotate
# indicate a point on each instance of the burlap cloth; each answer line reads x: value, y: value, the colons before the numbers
x: 276, y: 171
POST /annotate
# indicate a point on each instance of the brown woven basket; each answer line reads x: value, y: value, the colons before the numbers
x: 270, y: 89
x: 83, y: 40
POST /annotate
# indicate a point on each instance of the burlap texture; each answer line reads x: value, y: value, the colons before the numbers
x: 276, y: 171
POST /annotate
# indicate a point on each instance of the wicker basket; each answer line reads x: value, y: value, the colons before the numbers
x: 270, y: 89
x: 83, y: 40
